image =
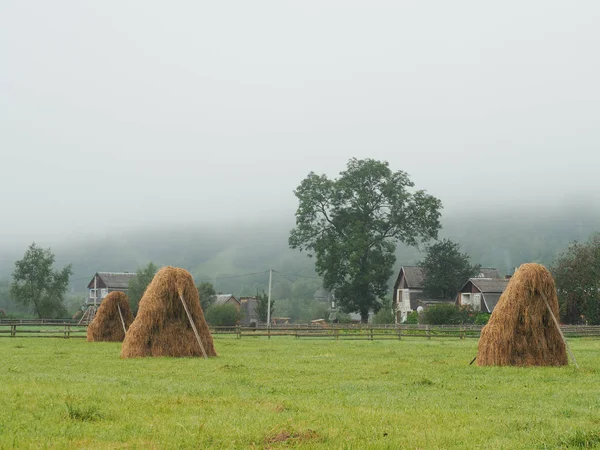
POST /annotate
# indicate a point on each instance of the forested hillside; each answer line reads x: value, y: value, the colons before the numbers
x: 225, y: 255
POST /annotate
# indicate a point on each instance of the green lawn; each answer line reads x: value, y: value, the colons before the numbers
x: 260, y: 393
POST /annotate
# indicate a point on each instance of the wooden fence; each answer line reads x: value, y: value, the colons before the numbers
x: 70, y: 329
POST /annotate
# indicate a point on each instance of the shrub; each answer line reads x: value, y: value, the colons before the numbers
x: 412, y: 318
x: 222, y: 315
x: 343, y: 318
x: 384, y: 316
x: 443, y: 314
x: 481, y: 319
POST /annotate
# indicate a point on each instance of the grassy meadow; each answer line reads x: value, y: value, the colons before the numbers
x: 284, y: 392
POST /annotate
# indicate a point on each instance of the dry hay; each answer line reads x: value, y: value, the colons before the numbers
x: 107, y: 325
x: 521, y: 331
x: 161, y: 327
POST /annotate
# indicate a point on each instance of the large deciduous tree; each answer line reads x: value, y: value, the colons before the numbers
x: 445, y: 269
x: 577, y: 276
x: 36, y: 285
x: 352, y: 225
x: 139, y: 283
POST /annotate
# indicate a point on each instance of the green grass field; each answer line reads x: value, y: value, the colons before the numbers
x: 283, y: 392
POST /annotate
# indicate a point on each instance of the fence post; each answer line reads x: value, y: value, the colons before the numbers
x: 269, y: 332
x: 428, y: 332
x: 337, y: 334
x: 371, y: 333
x: 13, y: 330
x: 462, y: 333
x: 399, y: 333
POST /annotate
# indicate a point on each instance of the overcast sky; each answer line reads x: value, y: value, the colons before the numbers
x: 118, y: 114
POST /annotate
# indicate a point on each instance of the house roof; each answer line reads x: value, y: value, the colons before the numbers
x: 221, y: 299
x: 488, y: 272
x: 485, y: 285
x: 414, y: 275
x: 114, y: 280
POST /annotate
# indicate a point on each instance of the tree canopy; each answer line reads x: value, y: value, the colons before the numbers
x: 207, y: 294
x: 262, y: 306
x: 577, y: 276
x: 445, y: 269
x: 139, y: 283
x: 353, y: 224
x: 37, y: 285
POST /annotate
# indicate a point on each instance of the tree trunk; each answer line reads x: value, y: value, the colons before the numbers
x: 364, y: 316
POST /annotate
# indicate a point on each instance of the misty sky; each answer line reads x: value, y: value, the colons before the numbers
x: 120, y: 114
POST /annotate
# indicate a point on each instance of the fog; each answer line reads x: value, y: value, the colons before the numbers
x: 117, y: 116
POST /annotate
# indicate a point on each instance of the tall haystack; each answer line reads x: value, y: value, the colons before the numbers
x: 521, y: 330
x: 107, y: 324
x: 162, y: 327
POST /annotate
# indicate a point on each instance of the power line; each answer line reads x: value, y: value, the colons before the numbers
x: 295, y: 275
x: 243, y: 275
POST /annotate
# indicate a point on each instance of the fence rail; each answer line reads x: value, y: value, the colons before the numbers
x: 70, y: 329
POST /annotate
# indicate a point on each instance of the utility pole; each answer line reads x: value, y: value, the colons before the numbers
x: 269, y: 301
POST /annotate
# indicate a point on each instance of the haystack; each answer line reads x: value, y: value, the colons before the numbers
x: 162, y: 327
x: 521, y: 330
x: 107, y: 324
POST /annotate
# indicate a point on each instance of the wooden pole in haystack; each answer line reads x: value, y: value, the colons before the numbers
x: 560, y: 331
x: 187, y: 311
x: 122, y: 320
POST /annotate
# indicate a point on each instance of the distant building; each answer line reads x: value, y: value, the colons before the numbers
x: 227, y: 299
x: 408, y: 289
x: 248, y: 310
x: 102, y: 283
x: 481, y: 294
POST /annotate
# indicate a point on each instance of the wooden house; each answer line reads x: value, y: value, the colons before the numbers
x: 227, y: 299
x: 408, y: 289
x: 104, y: 282
x: 481, y: 294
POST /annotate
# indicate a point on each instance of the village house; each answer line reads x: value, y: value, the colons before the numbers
x: 408, y: 290
x: 481, y: 294
x: 103, y: 283
x: 227, y: 299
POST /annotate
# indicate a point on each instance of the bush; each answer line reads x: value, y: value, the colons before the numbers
x: 443, y: 314
x: 343, y: 317
x: 412, y: 318
x: 482, y: 319
x: 449, y: 314
x: 384, y: 316
x: 222, y: 315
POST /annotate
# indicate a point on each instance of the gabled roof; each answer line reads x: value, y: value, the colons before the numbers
x: 414, y: 275
x: 488, y: 272
x: 113, y: 280
x: 221, y: 299
x: 489, y: 285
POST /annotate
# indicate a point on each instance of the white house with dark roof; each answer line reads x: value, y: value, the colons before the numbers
x: 408, y: 289
x: 481, y: 294
x: 105, y: 282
